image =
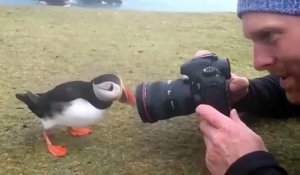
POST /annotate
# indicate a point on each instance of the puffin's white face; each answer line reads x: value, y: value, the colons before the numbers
x: 107, y: 91
x: 109, y: 87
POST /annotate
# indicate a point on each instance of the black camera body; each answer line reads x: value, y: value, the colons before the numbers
x: 204, y: 81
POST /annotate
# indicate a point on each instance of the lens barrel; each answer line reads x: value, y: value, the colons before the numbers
x: 163, y: 100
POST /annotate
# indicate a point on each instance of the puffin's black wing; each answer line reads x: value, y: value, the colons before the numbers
x: 56, y: 99
x: 68, y: 91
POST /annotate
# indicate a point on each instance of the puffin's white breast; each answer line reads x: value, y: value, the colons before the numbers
x: 79, y: 113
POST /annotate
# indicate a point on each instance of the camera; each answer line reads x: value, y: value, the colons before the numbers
x: 204, y: 81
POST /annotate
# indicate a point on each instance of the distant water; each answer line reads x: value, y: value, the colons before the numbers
x: 151, y: 5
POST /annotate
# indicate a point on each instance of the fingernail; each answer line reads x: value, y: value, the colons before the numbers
x: 198, y: 108
x: 234, y: 110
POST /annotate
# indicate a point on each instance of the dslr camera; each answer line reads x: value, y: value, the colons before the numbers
x: 204, y: 81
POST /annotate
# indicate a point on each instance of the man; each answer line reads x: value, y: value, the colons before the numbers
x: 273, y: 26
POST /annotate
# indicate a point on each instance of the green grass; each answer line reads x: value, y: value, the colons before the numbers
x: 43, y: 46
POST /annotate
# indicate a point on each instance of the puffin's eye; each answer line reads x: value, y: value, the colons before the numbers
x: 111, y: 87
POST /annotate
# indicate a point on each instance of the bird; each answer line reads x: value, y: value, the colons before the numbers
x: 75, y: 105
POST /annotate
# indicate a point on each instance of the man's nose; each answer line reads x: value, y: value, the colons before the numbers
x: 263, y: 59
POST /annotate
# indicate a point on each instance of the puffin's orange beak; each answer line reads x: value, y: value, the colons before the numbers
x: 127, y: 97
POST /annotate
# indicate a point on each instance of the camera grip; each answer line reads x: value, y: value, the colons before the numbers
x: 216, y: 95
x: 213, y: 90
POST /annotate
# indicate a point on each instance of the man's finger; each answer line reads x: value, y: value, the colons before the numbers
x: 207, y: 141
x: 207, y: 129
x: 202, y: 53
x: 212, y: 116
x: 234, y: 116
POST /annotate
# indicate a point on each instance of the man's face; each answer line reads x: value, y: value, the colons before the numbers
x: 276, y: 48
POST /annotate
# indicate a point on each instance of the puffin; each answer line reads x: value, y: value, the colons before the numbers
x: 75, y: 105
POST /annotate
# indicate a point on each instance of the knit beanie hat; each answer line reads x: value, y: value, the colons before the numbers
x: 288, y: 7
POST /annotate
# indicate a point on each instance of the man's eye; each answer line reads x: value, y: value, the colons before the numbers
x: 267, y: 37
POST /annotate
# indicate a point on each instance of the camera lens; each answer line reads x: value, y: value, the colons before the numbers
x: 163, y: 100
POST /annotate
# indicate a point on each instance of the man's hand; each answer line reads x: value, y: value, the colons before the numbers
x: 238, y: 85
x: 226, y: 139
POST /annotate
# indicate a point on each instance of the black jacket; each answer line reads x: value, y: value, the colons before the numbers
x: 265, y: 97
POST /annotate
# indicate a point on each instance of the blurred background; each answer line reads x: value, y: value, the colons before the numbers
x: 145, y: 5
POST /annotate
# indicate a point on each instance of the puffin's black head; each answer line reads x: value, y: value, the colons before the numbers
x: 109, y: 87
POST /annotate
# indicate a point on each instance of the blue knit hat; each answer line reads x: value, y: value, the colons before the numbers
x: 288, y: 7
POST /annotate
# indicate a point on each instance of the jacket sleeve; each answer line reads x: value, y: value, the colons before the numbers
x: 266, y: 97
x: 256, y: 163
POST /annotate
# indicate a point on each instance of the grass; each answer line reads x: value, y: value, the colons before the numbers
x: 43, y: 46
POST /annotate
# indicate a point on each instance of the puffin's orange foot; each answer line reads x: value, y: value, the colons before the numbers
x: 80, y: 131
x: 57, y: 151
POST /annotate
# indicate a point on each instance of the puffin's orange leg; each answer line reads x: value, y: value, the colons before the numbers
x: 79, y: 131
x: 55, y: 150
